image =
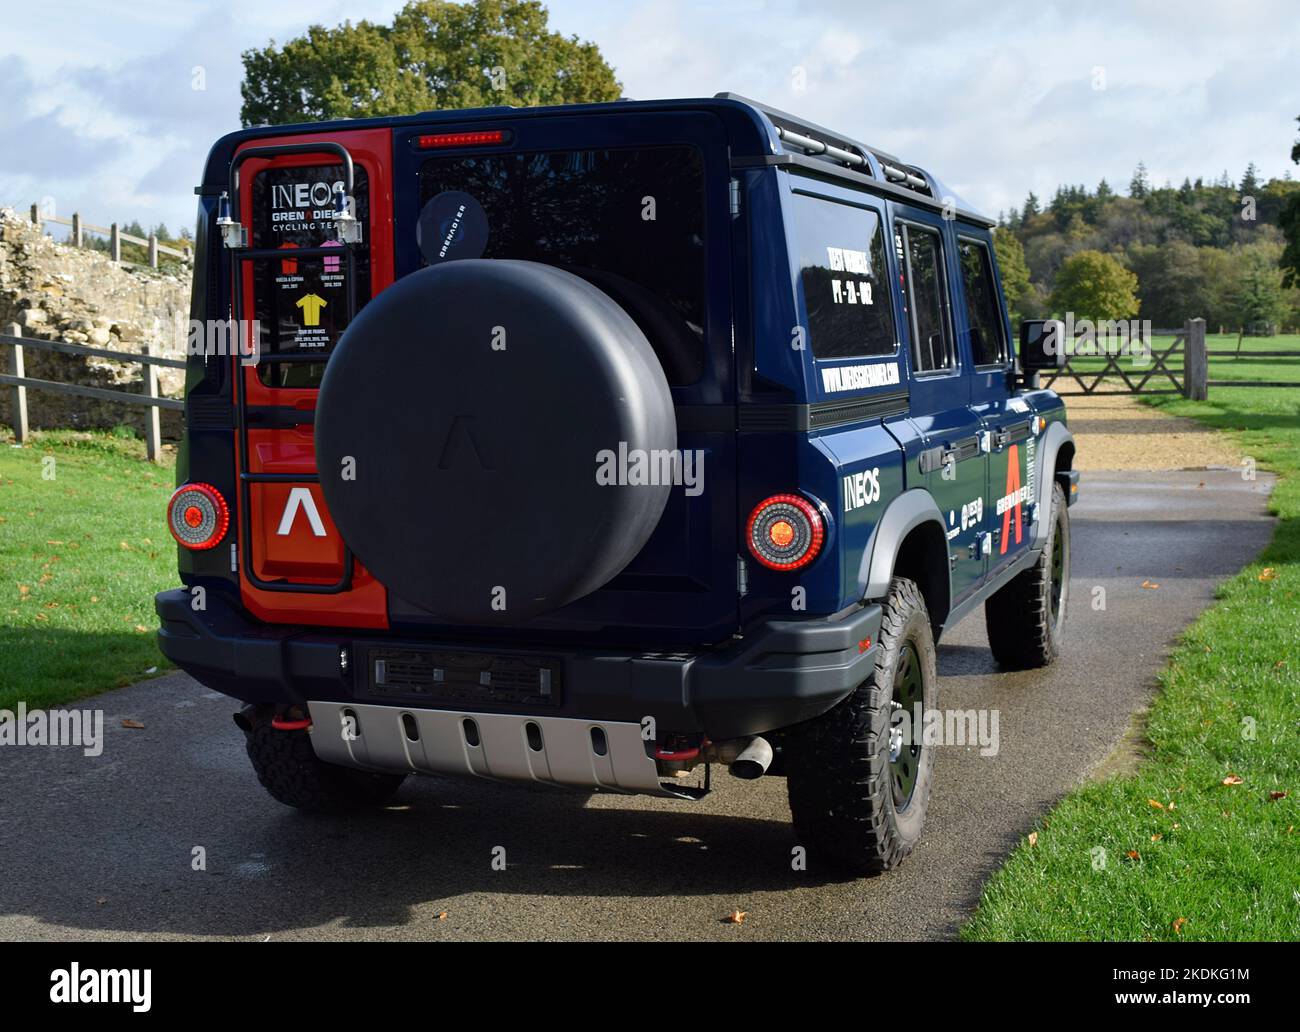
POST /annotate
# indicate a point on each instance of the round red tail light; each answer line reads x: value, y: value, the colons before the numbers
x: 785, y: 532
x: 197, y: 516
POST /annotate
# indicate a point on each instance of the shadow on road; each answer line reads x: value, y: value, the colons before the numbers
x: 286, y: 871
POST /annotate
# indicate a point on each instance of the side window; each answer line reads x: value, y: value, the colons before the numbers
x: 987, y: 344
x: 931, y: 339
x: 845, y: 280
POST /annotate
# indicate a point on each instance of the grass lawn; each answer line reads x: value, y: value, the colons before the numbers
x: 81, y: 556
x: 1183, y: 849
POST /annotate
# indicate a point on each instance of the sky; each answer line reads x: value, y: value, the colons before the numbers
x: 110, y: 109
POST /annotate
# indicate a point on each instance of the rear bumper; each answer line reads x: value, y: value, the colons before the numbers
x: 781, y: 672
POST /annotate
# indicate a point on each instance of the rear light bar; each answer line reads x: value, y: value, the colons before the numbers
x: 785, y: 532
x: 197, y: 516
x: 480, y: 138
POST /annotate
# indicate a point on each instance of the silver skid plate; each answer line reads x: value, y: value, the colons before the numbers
x: 576, y: 753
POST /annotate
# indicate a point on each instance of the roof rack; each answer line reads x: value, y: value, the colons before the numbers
x: 820, y: 142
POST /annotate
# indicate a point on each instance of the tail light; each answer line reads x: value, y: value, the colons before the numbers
x: 197, y: 516
x: 785, y: 532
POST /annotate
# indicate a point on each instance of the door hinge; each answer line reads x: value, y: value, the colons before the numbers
x: 234, y: 558
x: 735, y: 197
x: 742, y: 576
x: 981, y: 546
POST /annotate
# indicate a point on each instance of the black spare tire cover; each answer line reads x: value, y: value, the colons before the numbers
x: 460, y: 426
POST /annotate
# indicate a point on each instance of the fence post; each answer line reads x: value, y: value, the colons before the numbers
x: 1195, y: 362
x: 36, y: 214
x: 153, y: 250
x: 76, y: 229
x: 114, y: 243
x: 18, y: 400
x: 152, y: 424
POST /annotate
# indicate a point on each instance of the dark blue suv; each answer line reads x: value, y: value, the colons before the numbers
x: 595, y: 445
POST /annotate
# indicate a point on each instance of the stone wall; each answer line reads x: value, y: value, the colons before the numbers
x: 57, y: 292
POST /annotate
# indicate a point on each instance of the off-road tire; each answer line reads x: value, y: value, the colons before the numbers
x: 290, y: 771
x: 1024, y: 626
x: 838, y: 773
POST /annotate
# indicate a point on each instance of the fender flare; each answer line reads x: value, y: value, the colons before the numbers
x: 909, y: 510
x: 1049, y: 445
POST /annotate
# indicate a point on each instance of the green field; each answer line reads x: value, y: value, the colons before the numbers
x: 83, y: 548
x: 1187, y: 851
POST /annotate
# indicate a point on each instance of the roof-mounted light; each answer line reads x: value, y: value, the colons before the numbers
x: 479, y: 138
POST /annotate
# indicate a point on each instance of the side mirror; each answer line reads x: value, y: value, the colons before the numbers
x: 1042, y: 345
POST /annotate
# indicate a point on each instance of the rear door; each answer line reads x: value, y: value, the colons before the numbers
x: 1006, y: 420
x: 293, y: 565
x: 952, y: 464
x: 638, y: 205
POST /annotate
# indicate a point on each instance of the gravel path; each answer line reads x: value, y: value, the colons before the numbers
x: 1119, y: 432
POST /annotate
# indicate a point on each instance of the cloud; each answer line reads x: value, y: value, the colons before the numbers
x: 98, y: 108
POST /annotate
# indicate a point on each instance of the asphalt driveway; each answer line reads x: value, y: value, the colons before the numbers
x: 104, y: 847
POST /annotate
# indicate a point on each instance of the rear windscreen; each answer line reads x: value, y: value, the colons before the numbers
x: 630, y: 221
x: 301, y: 303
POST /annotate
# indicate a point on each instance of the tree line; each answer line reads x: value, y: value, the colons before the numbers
x: 1222, y: 250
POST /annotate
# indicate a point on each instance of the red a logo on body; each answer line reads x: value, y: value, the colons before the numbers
x: 1012, y: 492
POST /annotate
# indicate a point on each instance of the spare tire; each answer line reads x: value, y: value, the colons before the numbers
x: 460, y: 427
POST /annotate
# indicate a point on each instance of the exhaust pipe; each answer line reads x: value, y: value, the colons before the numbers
x: 251, y: 717
x: 753, y: 760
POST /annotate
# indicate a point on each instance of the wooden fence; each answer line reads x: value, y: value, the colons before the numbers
x: 115, y: 237
x: 20, y: 382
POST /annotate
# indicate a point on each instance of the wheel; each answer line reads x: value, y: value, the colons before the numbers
x: 858, y: 776
x: 290, y: 771
x: 1025, y: 617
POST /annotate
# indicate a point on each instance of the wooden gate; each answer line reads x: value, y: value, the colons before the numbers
x: 1103, y: 374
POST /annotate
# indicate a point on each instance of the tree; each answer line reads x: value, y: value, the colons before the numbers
x: 1095, y: 286
x: 1138, y: 185
x: 1172, y: 282
x: 1031, y: 207
x: 1255, y: 297
x: 1249, y: 181
x: 435, y: 55
x: 1289, y: 221
x: 1014, y: 271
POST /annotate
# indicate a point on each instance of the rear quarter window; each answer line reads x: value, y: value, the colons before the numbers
x: 841, y: 256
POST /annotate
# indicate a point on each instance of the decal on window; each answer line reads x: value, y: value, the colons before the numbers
x: 857, y: 377
x: 452, y: 225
